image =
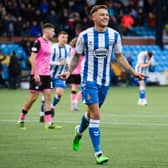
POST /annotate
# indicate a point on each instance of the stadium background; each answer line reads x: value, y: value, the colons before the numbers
x: 132, y: 136
x: 143, y: 25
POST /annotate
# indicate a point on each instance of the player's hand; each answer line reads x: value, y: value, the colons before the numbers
x: 37, y: 80
x: 62, y: 62
x: 65, y: 75
x: 139, y: 75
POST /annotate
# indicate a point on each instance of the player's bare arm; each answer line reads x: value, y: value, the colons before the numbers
x: 124, y: 63
x: 72, y: 66
x: 147, y: 64
x: 34, y: 67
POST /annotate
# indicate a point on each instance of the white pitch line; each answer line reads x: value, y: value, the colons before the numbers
x: 103, y: 122
x: 130, y: 115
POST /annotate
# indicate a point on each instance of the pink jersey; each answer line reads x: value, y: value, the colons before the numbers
x: 77, y: 70
x: 43, y: 57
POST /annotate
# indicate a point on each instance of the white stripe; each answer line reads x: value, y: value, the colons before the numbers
x: 101, y: 43
x: 111, y: 36
x: 90, y: 56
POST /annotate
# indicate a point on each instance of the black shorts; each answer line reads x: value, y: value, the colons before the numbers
x: 45, y: 83
x: 74, y: 79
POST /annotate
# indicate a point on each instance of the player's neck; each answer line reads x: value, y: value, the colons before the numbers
x: 100, y: 29
x: 45, y: 37
x: 61, y: 44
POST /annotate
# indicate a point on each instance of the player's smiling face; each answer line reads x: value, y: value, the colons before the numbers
x: 101, y: 17
x: 62, y: 39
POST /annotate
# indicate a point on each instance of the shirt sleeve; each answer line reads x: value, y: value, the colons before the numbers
x: 69, y: 55
x: 36, y: 46
x: 80, y: 44
x: 140, y: 58
x: 118, y: 44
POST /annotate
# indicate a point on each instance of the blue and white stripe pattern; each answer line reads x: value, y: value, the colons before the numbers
x: 142, y: 59
x: 98, y: 48
x: 59, y: 53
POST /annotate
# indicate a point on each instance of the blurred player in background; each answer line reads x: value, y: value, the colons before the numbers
x: 60, y: 58
x: 144, y: 61
x: 98, y: 44
x: 75, y: 80
x: 40, y: 75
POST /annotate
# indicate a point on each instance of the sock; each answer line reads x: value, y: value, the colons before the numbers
x: 48, y: 118
x: 84, y: 123
x: 55, y: 100
x: 94, y: 132
x: 42, y: 107
x: 142, y: 94
x: 23, y: 114
x: 78, y: 96
x: 72, y: 96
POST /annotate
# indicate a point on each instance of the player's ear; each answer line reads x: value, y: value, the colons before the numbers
x: 93, y: 17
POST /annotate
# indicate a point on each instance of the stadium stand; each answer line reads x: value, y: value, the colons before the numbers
x: 6, y: 50
x: 23, y: 18
x: 160, y: 56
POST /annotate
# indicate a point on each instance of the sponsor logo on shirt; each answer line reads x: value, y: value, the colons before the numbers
x: 101, y: 52
x: 34, y: 49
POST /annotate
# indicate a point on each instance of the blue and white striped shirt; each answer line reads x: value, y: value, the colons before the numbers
x: 143, y: 59
x: 59, y: 53
x: 98, y: 48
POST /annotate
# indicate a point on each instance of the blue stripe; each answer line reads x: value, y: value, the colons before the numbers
x: 145, y: 58
x: 54, y: 55
x: 106, y: 58
x: 95, y: 59
x: 115, y: 37
x: 61, y: 69
x: 85, y: 73
x: 59, y: 52
x: 65, y: 51
x: 55, y: 71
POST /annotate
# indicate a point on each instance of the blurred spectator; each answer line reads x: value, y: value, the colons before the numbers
x: 44, y: 7
x: 18, y: 26
x: 16, y: 15
x: 2, y: 82
x: 91, y: 2
x: 127, y: 21
x: 111, y: 9
x: 151, y: 20
x: 14, y: 71
x: 52, y: 18
x: 35, y: 29
x: 26, y: 29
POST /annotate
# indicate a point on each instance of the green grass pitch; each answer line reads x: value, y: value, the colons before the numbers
x: 131, y: 136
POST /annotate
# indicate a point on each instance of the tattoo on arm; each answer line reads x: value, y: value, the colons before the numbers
x: 124, y: 63
x: 130, y: 71
x: 73, y: 63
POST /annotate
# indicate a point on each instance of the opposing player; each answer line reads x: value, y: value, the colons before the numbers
x: 98, y: 44
x: 40, y: 75
x: 144, y: 61
x: 60, y: 58
x: 75, y: 80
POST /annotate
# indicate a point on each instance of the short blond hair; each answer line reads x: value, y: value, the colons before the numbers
x: 96, y: 8
x: 48, y: 25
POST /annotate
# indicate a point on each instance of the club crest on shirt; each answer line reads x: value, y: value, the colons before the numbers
x: 111, y: 41
x: 88, y: 97
x: 90, y: 44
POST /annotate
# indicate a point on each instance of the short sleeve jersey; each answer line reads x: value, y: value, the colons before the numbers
x: 43, y: 49
x: 98, y: 48
x: 59, y: 53
x: 143, y: 59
